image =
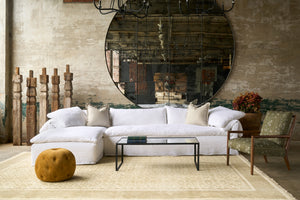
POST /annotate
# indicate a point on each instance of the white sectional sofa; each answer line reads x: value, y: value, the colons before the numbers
x: 67, y: 129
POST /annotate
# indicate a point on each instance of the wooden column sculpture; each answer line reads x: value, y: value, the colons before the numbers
x: 31, y: 107
x: 17, y: 107
x: 44, y: 102
x: 68, y: 87
x: 55, y: 91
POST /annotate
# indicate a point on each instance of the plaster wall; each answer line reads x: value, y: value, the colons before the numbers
x: 51, y: 34
x: 267, y: 36
x: 2, y: 67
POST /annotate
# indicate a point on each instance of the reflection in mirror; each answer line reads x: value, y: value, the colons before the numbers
x: 169, y: 57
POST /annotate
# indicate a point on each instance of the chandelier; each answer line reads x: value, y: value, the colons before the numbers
x: 137, y: 8
x: 203, y: 6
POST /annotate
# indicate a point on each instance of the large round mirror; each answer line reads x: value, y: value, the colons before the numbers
x: 170, y: 56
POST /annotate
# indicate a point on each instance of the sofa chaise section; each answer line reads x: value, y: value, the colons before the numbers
x: 84, y: 142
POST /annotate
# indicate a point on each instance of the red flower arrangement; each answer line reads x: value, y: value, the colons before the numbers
x: 248, y: 102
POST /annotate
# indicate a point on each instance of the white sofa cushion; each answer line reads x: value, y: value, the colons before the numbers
x: 221, y: 116
x: 164, y: 130
x: 121, y: 117
x: 176, y: 115
x: 70, y: 134
x: 197, y: 115
x: 67, y: 117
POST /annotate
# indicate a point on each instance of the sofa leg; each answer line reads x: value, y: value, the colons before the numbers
x: 287, y: 162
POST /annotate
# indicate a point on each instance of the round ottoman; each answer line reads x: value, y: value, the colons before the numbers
x: 55, y: 165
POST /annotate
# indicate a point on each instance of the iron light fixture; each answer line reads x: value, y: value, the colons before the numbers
x: 203, y: 7
x: 137, y: 8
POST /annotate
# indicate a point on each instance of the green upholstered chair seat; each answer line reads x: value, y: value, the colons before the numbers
x: 262, y: 146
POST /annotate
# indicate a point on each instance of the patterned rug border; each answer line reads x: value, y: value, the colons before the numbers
x: 278, y: 187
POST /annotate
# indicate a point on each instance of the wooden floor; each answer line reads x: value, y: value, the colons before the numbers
x: 276, y: 168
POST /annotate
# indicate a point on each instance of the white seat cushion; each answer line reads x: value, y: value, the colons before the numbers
x: 164, y: 130
x: 70, y: 134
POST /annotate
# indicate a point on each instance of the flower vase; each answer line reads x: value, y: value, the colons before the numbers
x: 251, y: 121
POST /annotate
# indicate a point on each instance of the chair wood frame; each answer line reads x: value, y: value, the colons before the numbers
x: 253, y: 137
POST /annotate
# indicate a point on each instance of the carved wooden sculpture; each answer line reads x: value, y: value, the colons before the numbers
x: 31, y: 107
x: 17, y: 107
x: 68, y: 87
x: 44, y: 102
x: 55, y: 91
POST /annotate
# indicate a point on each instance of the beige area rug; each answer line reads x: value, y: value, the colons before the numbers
x: 143, y: 178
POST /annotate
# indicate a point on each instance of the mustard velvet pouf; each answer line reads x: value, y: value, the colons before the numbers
x: 54, y: 165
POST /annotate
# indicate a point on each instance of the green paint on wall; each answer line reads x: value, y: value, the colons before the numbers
x: 292, y: 105
x: 100, y: 104
x: 2, y: 114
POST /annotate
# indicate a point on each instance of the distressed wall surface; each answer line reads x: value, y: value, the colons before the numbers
x: 267, y: 35
x: 51, y: 34
x: 2, y: 68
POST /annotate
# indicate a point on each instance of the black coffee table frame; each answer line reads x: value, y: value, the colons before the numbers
x: 161, y: 141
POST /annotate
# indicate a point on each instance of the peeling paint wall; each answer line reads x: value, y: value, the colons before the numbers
x: 2, y: 68
x: 51, y: 34
x: 267, y: 36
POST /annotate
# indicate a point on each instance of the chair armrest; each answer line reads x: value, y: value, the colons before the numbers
x: 248, y: 132
x: 271, y: 136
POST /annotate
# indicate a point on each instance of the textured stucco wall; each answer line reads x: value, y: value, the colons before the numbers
x: 52, y: 34
x: 267, y: 35
x: 2, y: 66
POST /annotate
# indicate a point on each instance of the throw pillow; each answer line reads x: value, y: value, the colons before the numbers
x: 48, y: 125
x: 176, y: 115
x: 98, y: 117
x: 221, y: 116
x: 67, y: 117
x: 197, y: 115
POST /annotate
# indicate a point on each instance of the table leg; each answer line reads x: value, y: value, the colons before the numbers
x: 118, y: 166
x: 196, y: 156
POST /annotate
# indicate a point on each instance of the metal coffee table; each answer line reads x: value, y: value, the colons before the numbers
x: 160, y: 141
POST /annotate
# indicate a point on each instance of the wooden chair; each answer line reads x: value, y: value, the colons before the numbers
x: 274, y: 138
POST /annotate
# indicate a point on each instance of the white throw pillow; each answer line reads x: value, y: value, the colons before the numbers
x: 48, y: 125
x: 67, y: 117
x: 221, y: 116
x: 176, y: 115
x: 98, y: 117
x: 197, y: 115
x: 142, y: 116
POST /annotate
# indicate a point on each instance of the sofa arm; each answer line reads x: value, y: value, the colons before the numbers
x: 246, y: 133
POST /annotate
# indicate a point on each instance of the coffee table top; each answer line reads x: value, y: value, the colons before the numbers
x: 163, y: 140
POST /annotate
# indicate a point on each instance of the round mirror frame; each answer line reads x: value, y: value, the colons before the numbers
x: 149, y: 73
